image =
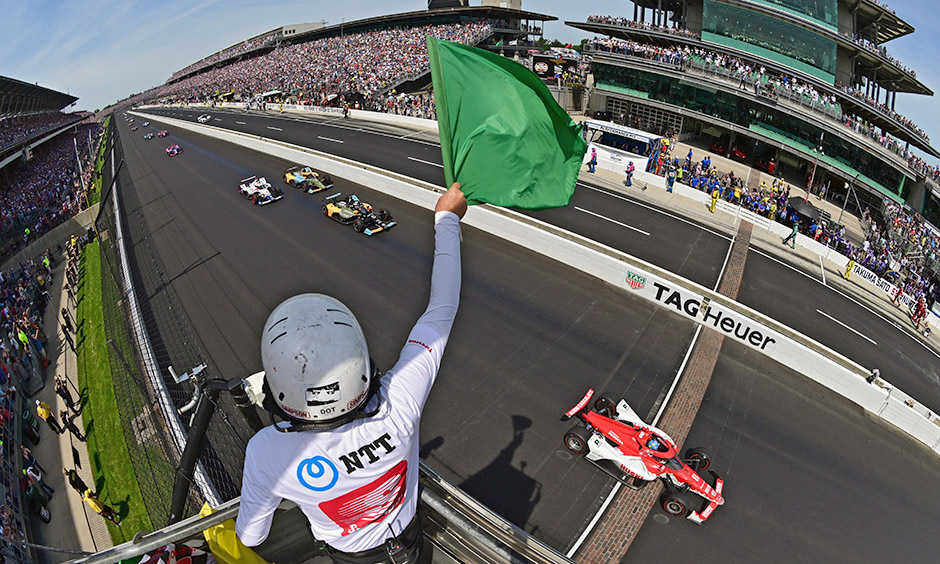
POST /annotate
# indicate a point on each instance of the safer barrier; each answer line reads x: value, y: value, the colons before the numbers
x: 647, y: 281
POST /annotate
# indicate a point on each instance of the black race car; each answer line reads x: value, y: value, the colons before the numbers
x: 350, y: 209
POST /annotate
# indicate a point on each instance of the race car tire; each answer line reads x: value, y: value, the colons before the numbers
x: 606, y: 405
x: 276, y: 191
x: 326, y: 179
x: 675, y: 504
x: 254, y: 198
x: 576, y: 440
x: 384, y: 214
x: 697, y: 459
x: 358, y: 225
x: 326, y: 212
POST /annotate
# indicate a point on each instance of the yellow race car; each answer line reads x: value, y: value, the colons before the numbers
x: 308, y: 179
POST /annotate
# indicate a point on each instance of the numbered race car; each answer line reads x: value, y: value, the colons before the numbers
x: 161, y: 133
x: 308, y: 179
x: 615, y: 439
x: 351, y: 209
x: 173, y: 150
x: 145, y: 124
x: 259, y: 190
x: 149, y: 136
x: 203, y: 118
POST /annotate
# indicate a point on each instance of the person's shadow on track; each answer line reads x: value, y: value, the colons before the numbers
x: 503, y: 487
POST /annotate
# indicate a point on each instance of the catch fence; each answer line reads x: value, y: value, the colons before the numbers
x: 148, y: 333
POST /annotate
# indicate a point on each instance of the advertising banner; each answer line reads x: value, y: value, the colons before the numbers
x: 550, y: 67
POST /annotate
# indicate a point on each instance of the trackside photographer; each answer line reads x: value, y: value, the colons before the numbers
x: 347, y: 450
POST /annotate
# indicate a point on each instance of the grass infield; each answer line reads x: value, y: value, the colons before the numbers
x: 114, y: 475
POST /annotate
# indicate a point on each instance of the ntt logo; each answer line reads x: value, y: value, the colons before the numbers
x: 317, y: 474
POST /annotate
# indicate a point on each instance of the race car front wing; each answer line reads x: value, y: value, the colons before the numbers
x: 699, y: 517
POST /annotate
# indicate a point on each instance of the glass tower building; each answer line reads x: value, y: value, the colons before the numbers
x: 826, y: 102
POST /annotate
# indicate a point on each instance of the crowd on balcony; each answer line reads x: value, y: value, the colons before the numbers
x: 15, y: 128
x: 624, y: 22
x: 880, y: 50
x: 232, y: 51
x: 46, y: 190
x: 859, y: 94
x: 725, y: 61
x: 367, y: 64
x: 901, y: 247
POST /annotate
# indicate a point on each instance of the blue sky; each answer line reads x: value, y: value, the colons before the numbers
x: 104, y: 50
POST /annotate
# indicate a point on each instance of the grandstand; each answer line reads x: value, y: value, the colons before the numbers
x: 39, y: 170
x: 284, y: 60
x: 808, y: 84
x: 27, y: 113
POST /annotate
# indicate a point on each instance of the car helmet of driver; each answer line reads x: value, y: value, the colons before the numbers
x: 318, y: 373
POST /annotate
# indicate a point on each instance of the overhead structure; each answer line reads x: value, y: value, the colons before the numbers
x: 19, y: 98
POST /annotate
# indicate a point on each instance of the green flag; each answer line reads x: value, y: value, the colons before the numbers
x: 503, y: 136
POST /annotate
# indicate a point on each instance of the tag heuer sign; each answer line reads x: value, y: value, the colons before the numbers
x: 635, y: 281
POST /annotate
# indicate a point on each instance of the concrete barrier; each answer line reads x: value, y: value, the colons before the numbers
x: 681, y: 296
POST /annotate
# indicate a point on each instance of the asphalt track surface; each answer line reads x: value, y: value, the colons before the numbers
x: 531, y: 336
x: 785, y: 293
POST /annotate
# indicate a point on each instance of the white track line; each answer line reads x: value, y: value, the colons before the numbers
x: 851, y: 299
x: 822, y: 268
x: 824, y: 314
x: 275, y: 128
x: 657, y: 210
x: 425, y: 162
x: 329, y: 139
x: 611, y: 220
x: 240, y: 122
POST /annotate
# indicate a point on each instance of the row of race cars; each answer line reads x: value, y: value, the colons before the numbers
x: 347, y: 210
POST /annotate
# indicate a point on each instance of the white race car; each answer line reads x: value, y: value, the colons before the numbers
x: 259, y: 190
x: 203, y: 118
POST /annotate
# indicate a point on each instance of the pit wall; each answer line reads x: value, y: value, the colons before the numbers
x: 644, y: 280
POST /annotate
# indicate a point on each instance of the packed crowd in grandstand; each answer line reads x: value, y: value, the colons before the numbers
x: 365, y: 63
x: 905, y: 248
x: 233, y: 51
x: 45, y: 191
x: 22, y: 127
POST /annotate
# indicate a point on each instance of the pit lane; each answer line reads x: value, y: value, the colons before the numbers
x: 515, y: 387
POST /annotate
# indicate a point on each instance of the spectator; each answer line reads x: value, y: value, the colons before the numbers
x: 46, y: 413
x: 100, y: 508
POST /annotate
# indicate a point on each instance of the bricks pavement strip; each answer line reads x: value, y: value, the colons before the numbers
x: 626, y: 514
x: 74, y: 526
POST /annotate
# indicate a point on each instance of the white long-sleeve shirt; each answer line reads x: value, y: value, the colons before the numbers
x: 358, y: 484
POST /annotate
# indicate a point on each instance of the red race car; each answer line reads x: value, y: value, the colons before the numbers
x: 162, y: 133
x: 173, y: 150
x: 614, y: 438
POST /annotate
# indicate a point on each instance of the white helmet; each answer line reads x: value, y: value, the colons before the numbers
x: 316, y: 361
